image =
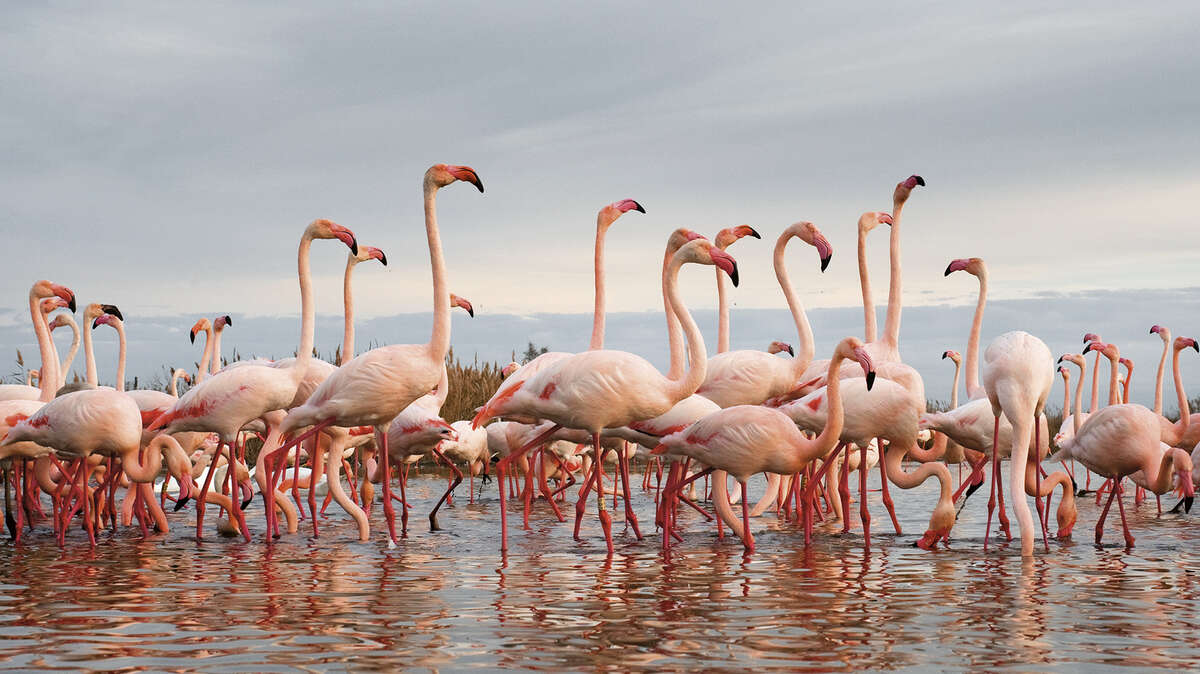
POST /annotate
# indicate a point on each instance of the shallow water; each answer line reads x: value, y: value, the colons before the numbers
x: 449, y: 600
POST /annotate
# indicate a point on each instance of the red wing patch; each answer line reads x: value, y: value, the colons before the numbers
x: 814, y: 404
x: 14, y: 419
x: 548, y: 391
x: 362, y: 430
x: 148, y: 416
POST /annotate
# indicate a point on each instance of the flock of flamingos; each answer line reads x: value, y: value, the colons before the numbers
x: 798, y: 420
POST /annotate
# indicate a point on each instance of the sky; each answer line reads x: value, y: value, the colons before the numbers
x: 166, y: 159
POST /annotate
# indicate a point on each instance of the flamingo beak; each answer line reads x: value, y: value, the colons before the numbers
x: 624, y: 205
x: 467, y: 174
x: 868, y: 367
x: 956, y: 265
x: 945, y: 354
x: 1194, y: 345
x: 824, y: 250
x: 112, y: 310
x: 345, y: 236
x: 915, y: 180
x: 886, y: 218
x: 788, y: 348
x: 725, y: 262
x: 377, y: 254
x: 1155, y: 328
x: 746, y: 230
x: 228, y: 321
x: 66, y: 294
x: 464, y: 304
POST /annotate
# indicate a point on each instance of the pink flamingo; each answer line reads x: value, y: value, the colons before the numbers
x: 374, y: 387
x: 749, y: 376
x: 747, y: 439
x: 66, y: 321
x: 725, y: 238
x: 40, y: 290
x: 218, y: 327
x: 602, y: 389
x: 226, y: 402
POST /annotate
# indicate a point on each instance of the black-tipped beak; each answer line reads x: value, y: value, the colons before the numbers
x: 920, y: 181
x: 825, y: 261
x: 948, y: 269
x: 112, y: 310
x: 383, y: 258
x: 733, y: 276
x: 1059, y: 361
x: 228, y: 321
x: 71, y: 304
x: 192, y: 336
x: 1196, y: 347
x: 788, y: 348
x: 353, y: 246
x: 754, y: 233
x: 96, y: 323
x: 870, y: 379
x: 246, y: 502
x: 1087, y: 349
x: 636, y: 206
x: 179, y: 504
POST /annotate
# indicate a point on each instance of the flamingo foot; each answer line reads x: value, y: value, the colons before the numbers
x: 930, y: 540
x: 606, y: 524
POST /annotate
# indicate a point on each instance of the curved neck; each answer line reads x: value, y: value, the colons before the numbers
x: 974, y: 390
x: 439, y: 341
x: 1185, y: 410
x: 686, y: 383
x: 832, y: 432
x: 120, y: 356
x: 722, y: 314
x: 175, y: 384
x: 1095, y: 385
x: 308, y: 311
x: 805, y: 347
x: 869, y: 328
x: 49, y: 372
x: 891, y: 326
x: 675, y: 344
x: 1113, y: 386
x: 348, y: 313
x: 1157, y: 476
x: 598, y: 272
x: 89, y: 354
x: 443, y: 387
x: 66, y: 366
x: 1158, y: 378
x: 954, y: 391
x: 202, y: 371
x: 131, y: 462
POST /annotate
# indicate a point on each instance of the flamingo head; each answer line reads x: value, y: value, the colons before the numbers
x: 510, y: 368
x: 872, y: 219
x: 852, y: 347
x: 702, y: 251
x: 106, y: 319
x: 1073, y: 358
x: 1091, y: 337
x: 1066, y: 516
x: 939, y: 526
x: 1065, y: 372
x: 44, y: 289
x: 94, y: 310
x: 1128, y: 363
x: 679, y: 238
x: 442, y: 175
x: 972, y: 265
x: 1185, y: 342
x: 60, y: 321
x: 1181, y: 462
x: 726, y: 237
x: 616, y: 209
x: 808, y: 233
x: 222, y: 322
x: 328, y: 229
x: 905, y: 187
x: 1094, y: 345
x: 201, y: 325
x: 462, y: 302
x: 52, y: 304
x: 779, y: 347
x: 374, y: 253
x: 185, y: 376
x: 952, y: 355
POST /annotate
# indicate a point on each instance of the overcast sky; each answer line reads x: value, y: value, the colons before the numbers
x: 166, y: 158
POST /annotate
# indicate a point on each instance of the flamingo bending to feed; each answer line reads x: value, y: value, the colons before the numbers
x: 226, y: 402
x: 374, y: 387
x: 747, y: 439
x: 603, y: 389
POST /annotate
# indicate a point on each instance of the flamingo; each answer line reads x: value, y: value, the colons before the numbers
x: 374, y: 387
x: 364, y: 253
x: 218, y: 327
x: 602, y: 389
x: 205, y: 326
x: 226, y: 402
x: 724, y: 239
x: 747, y: 439
x: 61, y: 321
x: 40, y: 290
x: 177, y: 374
x: 749, y: 376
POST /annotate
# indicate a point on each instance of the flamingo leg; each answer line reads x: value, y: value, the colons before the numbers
x: 844, y: 491
x: 630, y: 517
x: 1124, y: 523
x: 887, y: 494
x: 605, y: 517
x: 1104, y: 516
x: 389, y: 511
x: 235, y: 500
x: 200, y: 503
x: 543, y: 486
x: 747, y: 537
x: 458, y: 478
x: 1037, y: 480
x: 863, y: 512
x: 810, y: 490
x: 987, y: 532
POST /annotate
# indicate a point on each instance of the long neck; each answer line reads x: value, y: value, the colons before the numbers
x: 891, y: 327
x: 869, y: 329
x: 954, y: 391
x: 202, y: 371
x: 723, y: 314
x: 805, y: 347
x: 216, y: 352
x: 1095, y: 385
x: 348, y: 313
x: 439, y: 341
x: 120, y: 356
x: 1157, y: 476
x: 49, y: 375
x: 1078, y: 399
x: 1158, y: 378
x: 66, y: 366
x: 598, y: 272
x: 1113, y: 386
x: 687, y: 382
x: 443, y: 387
x: 1066, y: 396
x: 175, y: 384
x: 1185, y: 410
x: 131, y: 463
x: 89, y: 354
x: 832, y: 431
x: 674, y: 330
x: 308, y: 311
x: 973, y: 387
x: 1125, y: 389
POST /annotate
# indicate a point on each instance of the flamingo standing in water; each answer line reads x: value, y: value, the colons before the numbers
x: 374, y: 387
x: 226, y: 402
x: 603, y: 389
x: 747, y: 439
x: 40, y: 290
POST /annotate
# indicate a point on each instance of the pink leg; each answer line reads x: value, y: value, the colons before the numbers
x: 1103, y: 516
x: 630, y: 517
x: 863, y: 512
x: 995, y: 482
x: 844, y: 491
x: 458, y: 477
x: 887, y: 495
x: 1124, y: 524
x: 389, y: 511
x: 1037, y: 480
x: 605, y: 518
x: 200, y: 504
x: 747, y: 537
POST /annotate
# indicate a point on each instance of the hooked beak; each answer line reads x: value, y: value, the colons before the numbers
x: 112, y: 310
x: 868, y: 367
x: 345, y: 236
x: 886, y: 218
x: 1155, y: 328
x: 228, y: 321
x: 1194, y: 345
x: 624, y: 205
x: 102, y: 319
x: 1093, y: 346
x: 823, y: 249
x: 747, y: 230
x: 467, y: 174
x: 955, y: 265
x: 725, y: 262
x: 65, y: 294
x: 377, y: 254
x: 788, y: 348
x: 464, y: 304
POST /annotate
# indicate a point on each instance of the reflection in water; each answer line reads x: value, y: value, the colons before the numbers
x: 450, y: 600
